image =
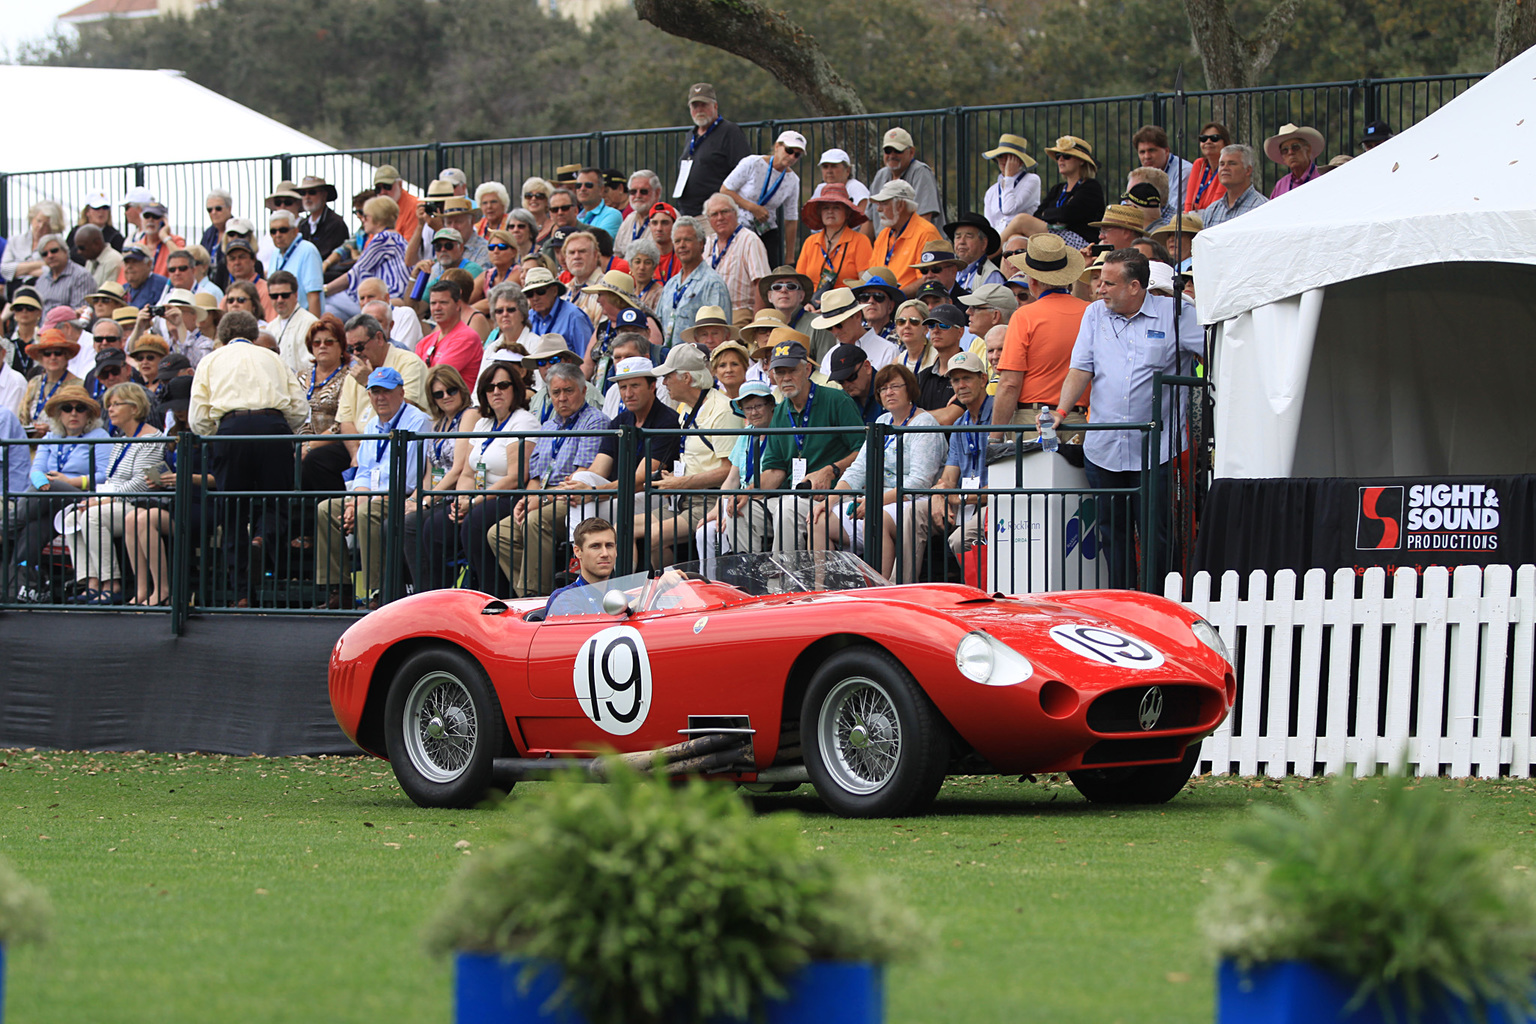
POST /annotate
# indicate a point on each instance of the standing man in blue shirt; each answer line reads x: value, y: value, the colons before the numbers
x: 297, y: 256
x: 1126, y: 337
x: 594, y: 212
x: 336, y: 517
x: 596, y: 546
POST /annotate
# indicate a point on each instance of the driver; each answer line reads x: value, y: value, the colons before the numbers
x: 596, y: 548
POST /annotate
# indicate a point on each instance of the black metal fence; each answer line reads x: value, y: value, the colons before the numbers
x: 951, y: 140
x: 182, y: 547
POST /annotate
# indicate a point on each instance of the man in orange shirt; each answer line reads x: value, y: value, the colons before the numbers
x: 899, y: 245
x: 389, y: 183
x: 1038, y: 349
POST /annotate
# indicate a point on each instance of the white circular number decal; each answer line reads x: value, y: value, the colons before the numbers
x: 613, y: 680
x: 1106, y: 646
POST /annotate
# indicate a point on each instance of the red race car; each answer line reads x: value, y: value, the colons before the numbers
x: 782, y: 669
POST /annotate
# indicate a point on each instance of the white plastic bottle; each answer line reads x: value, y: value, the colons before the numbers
x: 1046, y: 423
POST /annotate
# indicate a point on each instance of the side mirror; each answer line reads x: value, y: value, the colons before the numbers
x: 615, y: 603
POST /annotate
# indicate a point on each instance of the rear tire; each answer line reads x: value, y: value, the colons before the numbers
x: 1142, y: 784
x: 874, y: 744
x: 443, y: 728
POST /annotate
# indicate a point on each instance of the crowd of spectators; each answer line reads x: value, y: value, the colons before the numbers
x: 584, y: 301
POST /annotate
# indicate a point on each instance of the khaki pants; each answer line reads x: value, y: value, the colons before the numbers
x: 91, y: 546
x: 514, y: 544
x: 331, y: 542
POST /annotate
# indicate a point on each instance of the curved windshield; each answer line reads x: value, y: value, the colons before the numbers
x: 789, y: 572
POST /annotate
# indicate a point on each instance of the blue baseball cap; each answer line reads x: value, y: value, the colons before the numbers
x: 631, y: 317
x: 386, y: 377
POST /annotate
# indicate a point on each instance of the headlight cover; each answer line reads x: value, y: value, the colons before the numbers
x: 982, y: 658
x: 1206, y: 634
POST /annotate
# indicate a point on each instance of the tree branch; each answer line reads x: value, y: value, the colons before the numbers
x: 1514, y: 29
x: 765, y: 37
x: 1264, y: 43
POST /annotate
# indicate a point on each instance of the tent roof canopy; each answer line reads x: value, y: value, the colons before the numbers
x: 1458, y: 186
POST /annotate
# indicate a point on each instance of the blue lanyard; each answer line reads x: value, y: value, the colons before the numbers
x: 640, y: 228
x: 677, y: 296
x: 767, y: 192
x: 558, y: 441
x: 751, y: 473
x: 1207, y: 176
x: 890, y: 245
x: 437, y: 446
x: 498, y: 428
x: 693, y: 143
x: 379, y: 447
x: 124, y: 452
x: 891, y: 438
x: 282, y: 257
x: 1063, y: 195
x: 542, y: 323
x: 972, y: 440
x: 714, y: 261
x: 789, y: 410
x: 313, y: 373
x: 42, y: 399
x: 1000, y: 179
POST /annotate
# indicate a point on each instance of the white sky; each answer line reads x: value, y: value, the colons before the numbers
x: 28, y: 20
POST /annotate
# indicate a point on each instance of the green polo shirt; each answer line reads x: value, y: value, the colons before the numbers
x: 830, y: 407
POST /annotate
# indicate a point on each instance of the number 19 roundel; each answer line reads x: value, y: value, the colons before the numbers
x: 613, y: 680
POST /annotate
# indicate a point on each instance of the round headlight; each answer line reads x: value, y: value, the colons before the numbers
x: 973, y: 657
x: 1206, y: 634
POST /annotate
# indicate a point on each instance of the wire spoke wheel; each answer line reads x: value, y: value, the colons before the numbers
x: 860, y: 734
x: 440, y: 726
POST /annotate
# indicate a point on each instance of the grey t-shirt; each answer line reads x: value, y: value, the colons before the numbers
x: 921, y: 177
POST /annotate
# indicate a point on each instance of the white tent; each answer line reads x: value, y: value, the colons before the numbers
x: 1381, y: 321
x: 195, y: 139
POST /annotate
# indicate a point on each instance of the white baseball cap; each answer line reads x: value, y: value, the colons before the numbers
x: 138, y: 196
x: 791, y: 140
x: 97, y: 199
x: 835, y: 156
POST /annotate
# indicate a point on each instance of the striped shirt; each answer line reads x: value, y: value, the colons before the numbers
x: 383, y: 257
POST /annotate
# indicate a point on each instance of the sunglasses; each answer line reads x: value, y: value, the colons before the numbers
x: 181, y: 269
x: 440, y: 395
x: 1210, y: 138
x: 912, y: 321
x: 497, y: 246
x: 561, y: 209
x: 358, y: 349
x: 550, y: 361
x: 535, y: 195
x: 279, y: 295
x: 582, y: 185
x: 310, y: 191
x: 784, y: 286
x: 892, y: 149
x: 874, y: 297
x: 215, y: 209
x: 285, y: 201
x: 279, y: 231
x: 238, y: 300
x: 501, y: 385
x: 74, y: 408
x: 507, y: 310
x: 538, y: 291
x: 49, y: 353
x: 52, y: 252
x: 136, y: 356
x: 930, y: 271
x: 440, y: 246
x: 796, y: 153
x: 639, y: 191
x: 112, y: 371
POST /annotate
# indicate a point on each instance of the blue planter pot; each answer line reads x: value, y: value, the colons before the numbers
x: 1295, y: 992
x: 486, y: 989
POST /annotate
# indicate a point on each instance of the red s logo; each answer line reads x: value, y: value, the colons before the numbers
x: 1370, y: 499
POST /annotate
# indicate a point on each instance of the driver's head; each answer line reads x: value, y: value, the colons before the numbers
x: 597, y: 546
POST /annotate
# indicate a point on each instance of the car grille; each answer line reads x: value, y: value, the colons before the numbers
x: 1121, y: 710
x: 1158, y: 748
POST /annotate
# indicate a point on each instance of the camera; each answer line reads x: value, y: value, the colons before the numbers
x: 157, y: 310
x: 433, y: 206
x: 1100, y: 249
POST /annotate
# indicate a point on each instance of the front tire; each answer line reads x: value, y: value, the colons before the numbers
x: 876, y: 747
x: 442, y: 728
x: 1142, y: 784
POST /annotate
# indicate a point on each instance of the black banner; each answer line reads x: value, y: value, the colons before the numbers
x: 1390, y: 522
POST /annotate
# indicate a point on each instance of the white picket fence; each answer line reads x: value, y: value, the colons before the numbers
x: 1436, y: 677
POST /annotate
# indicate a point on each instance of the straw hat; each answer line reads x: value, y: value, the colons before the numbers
x: 126, y: 315
x: 52, y: 338
x: 1191, y: 222
x: 539, y: 277
x: 284, y: 190
x: 1129, y: 217
x: 1093, y: 268
x: 1288, y: 131
x: 784, y: 273
x: 730, y: 346
x: 72, y: 393
x: 149, y: 343
x: 111, y: 291
x: 837, y: 305
x: 551, y: 346
x: 937, y: 253
x: 832, y: 192
x: 1017, y: 145
x: 710, y: 316
x: 615, y: 283
x: 1071, y: 145
x: 310, y: 181
x: 768, y: 319
x: 206, y: 306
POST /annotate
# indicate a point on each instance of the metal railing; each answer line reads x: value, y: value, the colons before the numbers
x: 951, y: 140
x: 191, y: 544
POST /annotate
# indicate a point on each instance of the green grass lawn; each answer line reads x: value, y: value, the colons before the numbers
x: 253, y: 889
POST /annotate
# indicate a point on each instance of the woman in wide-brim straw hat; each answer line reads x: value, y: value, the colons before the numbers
x: 1018, y: 186
x: 1073, y: 203
x: 837, y: 249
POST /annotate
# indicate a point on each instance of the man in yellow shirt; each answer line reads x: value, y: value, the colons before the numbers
x: 900, y: 243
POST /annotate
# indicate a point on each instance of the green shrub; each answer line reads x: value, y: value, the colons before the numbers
x: 661, y: 899
x: 1379, y: 881
x: 24, y: 909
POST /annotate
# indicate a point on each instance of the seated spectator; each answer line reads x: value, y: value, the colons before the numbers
x: 363, y: 512
x: 735, y: 253
x: 614, y: 293
x: 729, y: 362
x: 22, y: 261
x: 183, y: 321
x: 987, y: 307
x: 939, y: 265
x: 664, y: 217
x: 102, y: 262
x: 549, y: 313
x: 60, y: 472
x: 837, y: 249
x: 547, y: 353
x: 562, y: 215
x: 62, y: 282
x: 1152, y: 150
x: 536, y: 192
x: 158, y: 239
x: 111, y: 368
x: 1374, y: 135
x: 1236, y: 171
x: 589, y: 196
x: 976, y: 241
x: 788, y: 291
x: 383, y: 256
x: 756, y: 406
x: 1296, y: 149
x: 92, y: 525
x: 839, y: 521
x: 946, y: 325
x: 1153, y: 250
x: 842, y: 314
x: 240, y: 258
x: 52, y: 351
x: 595, y: 545
x: 850, y: 369
x: 291, y: 325
x: 1182, y: 233
x: 524, y: 542
x: 626, y: 345
x: 695, y: 284
x: 876, y: 288
x: 142, y: 287
x: 1147, y: 190
x: 765, y: 187
x: 677, y: 514
x: 150, y: 519
x: 144, y: 354
x: 202, y: 266
x: 449, y: 399
x: 325, y: 459
x: 643, y: 259
x: 501, y: 249
x: 754, y: 338
x: 837, y: 169
x: 644, y: 191
x: 104, y: 301
x: 904, y: 233
x: 902, y: 165
x: 1037, y: 350
x: 579, y: 255
x: 370, y: 350
x: 1073, y: 203
x: 1204, y: 185
x: 297, y: 257
x: 454, y: 342
x: 1018, y: 187
x: 710, y: 329
x: 509, y: 308
x: 916, y: 352
x: 994, y: 344
x: 965, y: 466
